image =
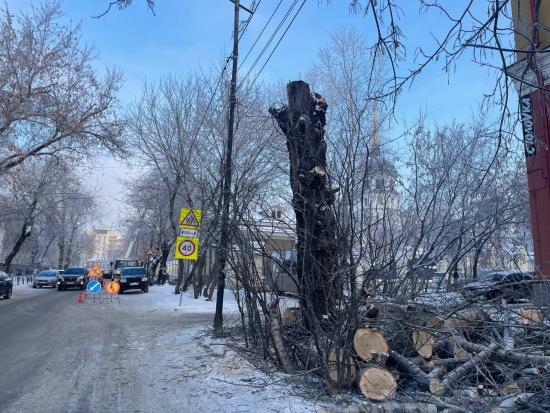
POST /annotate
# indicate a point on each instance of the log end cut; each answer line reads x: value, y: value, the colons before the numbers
x: 341, y: 368
x: 377, y: 384
x: 368, y: 343
x: 423, y: 343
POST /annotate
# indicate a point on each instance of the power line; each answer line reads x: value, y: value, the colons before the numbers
x: 247, y: 22
x: 261, y: 32
x: 220, y: 79
x: 273, y: 35
x: 275, y: 48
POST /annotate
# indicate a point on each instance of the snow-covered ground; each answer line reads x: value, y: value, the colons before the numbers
x: 440, y: 298
x: 208, y: 375
x: 162, y: 298
x: 147, y: 353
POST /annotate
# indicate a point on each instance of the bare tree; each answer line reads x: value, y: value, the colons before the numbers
x: 52, y: 102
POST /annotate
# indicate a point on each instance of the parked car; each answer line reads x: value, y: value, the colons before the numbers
x: 72, y: 277
x: 133, y: 278
x: 47, y: 278
x: 6, y: 285
x: 507, y: 284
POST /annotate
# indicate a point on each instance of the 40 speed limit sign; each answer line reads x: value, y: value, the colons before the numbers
x: 187, y: 248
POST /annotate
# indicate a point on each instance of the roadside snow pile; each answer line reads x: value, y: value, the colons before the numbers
x: 162, y: 298
x: 207, y: 376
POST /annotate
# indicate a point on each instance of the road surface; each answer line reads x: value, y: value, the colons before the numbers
x: 59, y: 356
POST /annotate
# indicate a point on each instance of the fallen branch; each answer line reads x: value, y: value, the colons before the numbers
x: 408, y: 368
x: 439, y: 388
x: 508, y: 356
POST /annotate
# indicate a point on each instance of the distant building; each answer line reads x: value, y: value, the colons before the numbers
x: 381, y: 192
x: 105, y: 243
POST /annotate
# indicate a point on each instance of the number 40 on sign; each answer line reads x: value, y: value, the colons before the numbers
x: 187, y: 248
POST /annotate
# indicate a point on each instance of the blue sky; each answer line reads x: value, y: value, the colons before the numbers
x: 186, y: 35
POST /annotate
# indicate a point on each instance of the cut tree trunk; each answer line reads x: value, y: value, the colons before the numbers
x: 423, y: 343
x: 377, y: 383
x: 369, y: 343
x: 470, y: 322
x: 303, y: 122
x: 527, y: 316
x: 341, y: 368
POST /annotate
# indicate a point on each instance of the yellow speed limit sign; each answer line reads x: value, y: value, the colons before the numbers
x: 187, y: 248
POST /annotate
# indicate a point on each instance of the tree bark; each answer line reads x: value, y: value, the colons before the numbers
x: 405, y: 366
x: 303, y: 122
x: 23, y: 235
x: 278, y: 342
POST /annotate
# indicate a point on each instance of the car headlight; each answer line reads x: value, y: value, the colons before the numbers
x: 123, y: 280
x: 143, y: 278
x: 80, y: 279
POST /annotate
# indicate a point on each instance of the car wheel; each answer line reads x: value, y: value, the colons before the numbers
x: 34, y: 286
x: 146, y: 289
x: 8, y: 294
x: 59, y: 288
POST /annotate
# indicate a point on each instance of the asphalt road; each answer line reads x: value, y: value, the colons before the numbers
x: 59, y: 356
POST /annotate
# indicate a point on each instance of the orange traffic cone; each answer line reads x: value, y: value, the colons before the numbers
x: 79, y: 299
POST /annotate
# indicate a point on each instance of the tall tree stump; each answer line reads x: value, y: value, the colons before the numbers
x: 303, y: 122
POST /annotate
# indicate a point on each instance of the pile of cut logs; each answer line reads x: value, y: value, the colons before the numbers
x: 492, y: 360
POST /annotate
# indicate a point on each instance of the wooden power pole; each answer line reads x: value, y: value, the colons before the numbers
x: 228, y: 170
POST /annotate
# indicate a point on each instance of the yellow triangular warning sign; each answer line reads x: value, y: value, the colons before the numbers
x: 190, y: 219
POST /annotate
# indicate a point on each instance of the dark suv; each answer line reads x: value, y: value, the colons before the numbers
x: 73, y: 277
x: 6, y: 285
x: 134, y: 278
x: 506, y: 284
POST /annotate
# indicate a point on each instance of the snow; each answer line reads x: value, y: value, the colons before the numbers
x: 181, y: 367
x: 217, y: 378
x: 206, y: 373
x: 440, y: 298
x: 163, y: 298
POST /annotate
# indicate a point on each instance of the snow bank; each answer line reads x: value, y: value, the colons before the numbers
x: 162, y: 298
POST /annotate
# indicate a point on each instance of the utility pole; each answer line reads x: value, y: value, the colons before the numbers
x: 228, y: 171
